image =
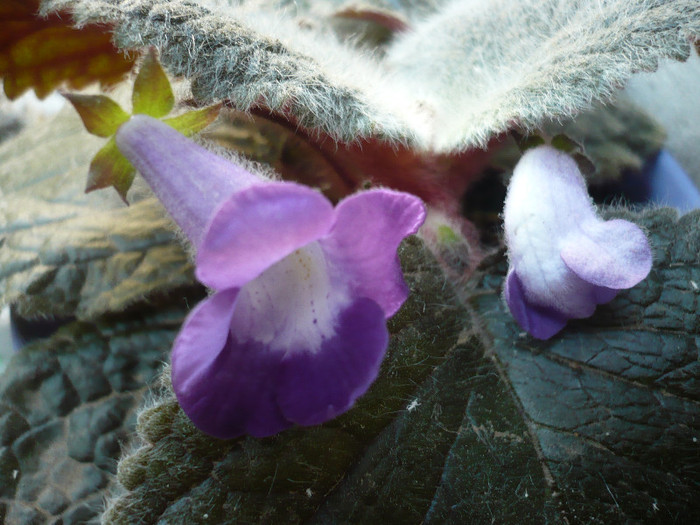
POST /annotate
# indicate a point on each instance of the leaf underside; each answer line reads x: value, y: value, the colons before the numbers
x: 450, y: 89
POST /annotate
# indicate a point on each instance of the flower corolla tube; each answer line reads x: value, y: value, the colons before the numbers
x: 295, y: 330
x: 563, y: 259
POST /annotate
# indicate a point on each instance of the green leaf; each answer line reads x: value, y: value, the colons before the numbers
x: 101, y: 115
x: 152, y: 93
x: 469, y: 423
x: 110, y: 168
x: 195, y: 121
x: 66, y: 253
x: 68, y: 406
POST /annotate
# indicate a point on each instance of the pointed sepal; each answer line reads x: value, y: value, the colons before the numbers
x: 110, y: 168
x: 101, y: 115
x: 152, y: 93
x: 194, y: 121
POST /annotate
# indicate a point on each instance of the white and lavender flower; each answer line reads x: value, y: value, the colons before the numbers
x: 563, y: 259
x: 296, y: 329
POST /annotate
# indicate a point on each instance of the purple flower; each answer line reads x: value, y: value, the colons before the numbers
x: 563, y: 259
x: 296, y: 329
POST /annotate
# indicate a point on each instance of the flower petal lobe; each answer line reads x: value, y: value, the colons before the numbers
x: 539, y: 321
x: 257, y: 227
x: 614, y: 254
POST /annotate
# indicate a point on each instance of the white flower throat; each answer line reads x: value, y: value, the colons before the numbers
x: 293, y: 305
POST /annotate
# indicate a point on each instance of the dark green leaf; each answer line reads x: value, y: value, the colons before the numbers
x: 152, y: 92
x: 100, y: 114
x: 613, y: 401
x: 68, y: 406
x: 597, y: 425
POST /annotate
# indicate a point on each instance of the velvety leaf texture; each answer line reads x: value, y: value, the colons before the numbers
x: 463, y: 75
x: 469, y: 423
x: 67, y: 408
x: 64, y: 253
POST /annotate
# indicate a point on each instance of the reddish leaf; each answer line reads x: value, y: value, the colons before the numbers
x: 45, y: 52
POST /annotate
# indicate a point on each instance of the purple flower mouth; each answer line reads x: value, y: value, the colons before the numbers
x: 564, y: 260
x: 296, y: 329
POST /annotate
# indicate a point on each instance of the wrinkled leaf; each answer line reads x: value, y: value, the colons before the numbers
x: 101, y: 115
x: 465, y: 74
x: 64, y: 253
x: 599, y: 424
x: 152, y: 92
x: 110, y: 168
x: 44, y: 52
x: 68, y: 406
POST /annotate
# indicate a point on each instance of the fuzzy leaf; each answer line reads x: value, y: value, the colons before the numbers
x: 44, y: 52
x: 600, y: 430
x: 110, y: 168
x: 64, y: 253
x: 466, y: 74
x: 152, y: 92
x: 67, y: 408
x: 101, y: 115
x: 194, y: 121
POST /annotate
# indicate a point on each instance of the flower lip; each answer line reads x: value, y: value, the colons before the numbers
x: 257, y: 227
x: 563, y: 259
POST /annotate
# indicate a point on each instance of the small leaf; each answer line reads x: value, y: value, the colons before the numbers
x: 152, y: 92
x: 101, y: 115
x: 526, y: 142
x: 110, y: 168
x: 194, y: 121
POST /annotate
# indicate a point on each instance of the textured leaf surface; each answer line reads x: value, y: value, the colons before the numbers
x: 494, y: 65
x: 614, y: 403
x: 44, y: 52
x: 485, y: 425
x: 65, y: 253
x: 68, y: 406
x: 465, y: 74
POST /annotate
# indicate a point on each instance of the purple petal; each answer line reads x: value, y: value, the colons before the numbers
x: 362, y: 245
x: 613, y: 254
x: 188, y: 179
x: 316, y: 387
x: 539, y: 321
x: 258, y: 227
x: 227, y: 389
